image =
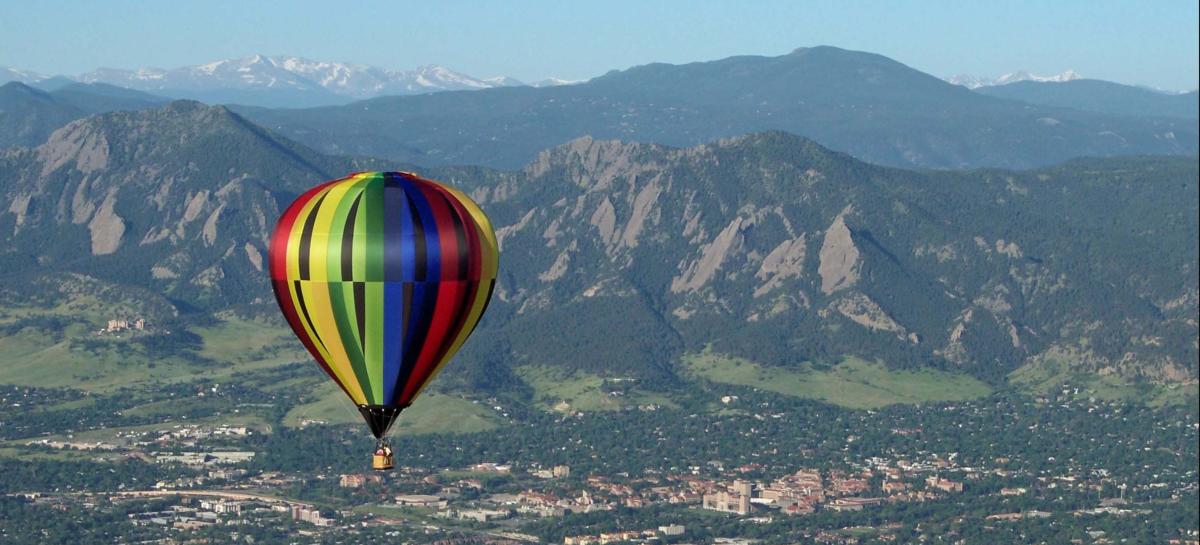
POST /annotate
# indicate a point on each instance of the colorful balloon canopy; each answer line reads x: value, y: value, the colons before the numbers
x: 383, y: 276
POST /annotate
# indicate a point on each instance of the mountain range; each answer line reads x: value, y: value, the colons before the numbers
x: 867, y: 105
x: 1100, y: 96
x: 28, y: 115
x: 619, y: 258
x: 283, y: 81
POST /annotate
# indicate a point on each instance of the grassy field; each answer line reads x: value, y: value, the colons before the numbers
x: 854, y: 383
x: 87, y: 308
x: 251, y: 344
x: 33, y: 454
x: 557, y: 390
x: 1048, y: 376
x: 32, y: 358
x: 431, y: 413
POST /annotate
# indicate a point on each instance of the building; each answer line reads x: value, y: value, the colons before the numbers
x: 848, y: 487
x: 556, y: 472
x: 853, y: 504
x: 1019, y: 515
x: 204, y: 458
x: 420, y: 500
x: 223, y: 506
x: 797, y: 508
x: 226, y: 474
x: 121, y: 325
x: 352, y: 481
x: 727, y: 503
x: 309, y: 514
x: 944, y: 485
x: 483, y: 515
x: 672, y: 530
x: 613, y: 537
x: 491, y: 467
x: 191, y: 524
x: 892, y: 487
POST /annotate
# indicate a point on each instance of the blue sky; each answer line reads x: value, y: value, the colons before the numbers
x: 1151, y: 43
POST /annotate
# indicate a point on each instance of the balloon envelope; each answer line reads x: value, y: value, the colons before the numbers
x: 382, y: 276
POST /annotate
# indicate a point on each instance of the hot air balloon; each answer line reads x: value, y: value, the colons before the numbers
x: 383, y: 276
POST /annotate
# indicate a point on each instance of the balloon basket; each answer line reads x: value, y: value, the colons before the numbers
x: 382, y: 459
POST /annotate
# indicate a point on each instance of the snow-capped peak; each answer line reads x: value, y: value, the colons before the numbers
x: 210, y: 67
x: 975, y: 82
x: 1026, y: 76
x: 263, y: 72
x: 504, y: 81
x: 286, y: 80
x: 554, y: 82
x: 23, y: 76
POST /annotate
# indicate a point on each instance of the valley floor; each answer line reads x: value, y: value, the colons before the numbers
x: 233, y: 436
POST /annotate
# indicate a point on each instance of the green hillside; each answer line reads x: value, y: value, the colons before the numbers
x: 853, y: 383
x: 431, y: 413
x: 28, y: 115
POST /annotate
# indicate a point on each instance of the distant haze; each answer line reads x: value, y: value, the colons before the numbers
x: 1150, y: 44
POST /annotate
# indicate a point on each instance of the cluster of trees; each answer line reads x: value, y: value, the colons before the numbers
x: 30, y: 412
x: 41, y: 475
x: 22, y: 522
x: 805, y: 434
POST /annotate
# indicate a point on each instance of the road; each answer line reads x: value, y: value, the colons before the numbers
x: 244, y: 496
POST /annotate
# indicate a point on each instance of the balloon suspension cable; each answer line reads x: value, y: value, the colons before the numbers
x: 349, y: 409
x: 380, y: 418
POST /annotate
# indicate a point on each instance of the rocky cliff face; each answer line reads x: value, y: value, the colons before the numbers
x: 773, y: 247
x: 182, y: 198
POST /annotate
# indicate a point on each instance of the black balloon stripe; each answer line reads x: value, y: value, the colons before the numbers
x: 348, y: 241
x: 304, y: 312
x: 306, y: 238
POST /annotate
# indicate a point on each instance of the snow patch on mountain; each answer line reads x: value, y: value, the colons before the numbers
x: 287, y: 74
x: 554, y: 82
x: 975, y: 82
x: 24, y: 76
x: 355, y: 81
